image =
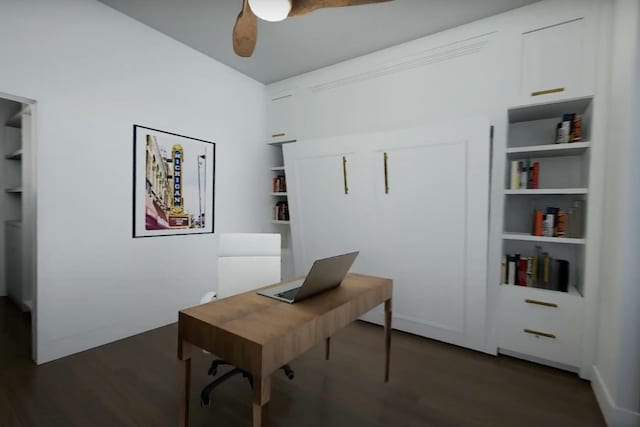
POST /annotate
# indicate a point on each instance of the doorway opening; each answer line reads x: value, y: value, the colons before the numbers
x: 18, y: 284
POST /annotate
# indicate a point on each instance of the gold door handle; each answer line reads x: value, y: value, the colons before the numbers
x: 546, y: 304
x: 277, y: 135
x: 547, y: 91
x: 538, y: 333
x: 386, y: 174
x: 344, y: 174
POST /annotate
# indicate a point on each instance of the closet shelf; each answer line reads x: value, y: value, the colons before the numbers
x: 279, y: 143
x: 549, y: 150
x: 546, y: 191
x: 545, y: 239
x: 280, y: 194
x: 16, y: 155
x: 280, y: 222
x: 548, y: 110
x: 572, y: 289
x: 277, y: 168
x: 14, y: 190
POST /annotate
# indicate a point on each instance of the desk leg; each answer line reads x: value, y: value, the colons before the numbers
x: 184, y: 381
x: 387, y: 338
x: 327, y: 348
x: 261, y: 396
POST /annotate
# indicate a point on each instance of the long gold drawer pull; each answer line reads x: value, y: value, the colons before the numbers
x: 386, y: 174
x: 538, y: 333
x: 546, y: 304
x: 548, y: 91
x: 344, y: 174
x: 277, y: 135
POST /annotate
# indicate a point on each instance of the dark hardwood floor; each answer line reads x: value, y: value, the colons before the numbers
x: 132, y: 382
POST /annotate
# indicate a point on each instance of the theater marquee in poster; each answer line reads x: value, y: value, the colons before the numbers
x: 173, y: 189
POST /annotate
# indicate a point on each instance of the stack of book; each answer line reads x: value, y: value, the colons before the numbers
x: 281, y: 211
x: 552, y: 222
x: 569, y: 129
x: 279, y: 184
x: 525, y: 174
x: 538, y: 271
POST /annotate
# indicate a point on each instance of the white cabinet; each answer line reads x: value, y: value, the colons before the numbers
x: 542, y: 315
x: 281, y: 114
x: 556, y: 62
x: 416, y: 208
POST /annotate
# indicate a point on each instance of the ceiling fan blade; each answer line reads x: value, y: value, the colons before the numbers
x: 245, y: 32
x: 302, y: 7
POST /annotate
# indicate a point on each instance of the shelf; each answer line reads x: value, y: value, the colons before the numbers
x: 546, y: 191
x: 280, y: 194
x: 543, y: 239
x: 13, y: 190
x: 16, y: 155
x: 15, y: 121
x: 277, y: 168
x: 279, y: 143
x: 273, y: 221
x: 550, y: 150
x: 572, y: 289
x: 548, y: 110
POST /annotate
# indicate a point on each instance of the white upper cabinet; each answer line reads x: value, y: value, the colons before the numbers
x: 281, y: 113
x: 556, y: 62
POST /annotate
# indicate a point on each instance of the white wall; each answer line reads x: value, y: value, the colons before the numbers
x: 94, y: 73
x: 618, y: 356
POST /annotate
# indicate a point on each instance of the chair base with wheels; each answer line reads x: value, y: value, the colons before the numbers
x: 205, y: 397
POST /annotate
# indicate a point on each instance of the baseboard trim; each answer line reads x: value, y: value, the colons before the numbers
x: 613, y: 415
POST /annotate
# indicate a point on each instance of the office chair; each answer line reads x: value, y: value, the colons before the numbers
x: 245, y: 261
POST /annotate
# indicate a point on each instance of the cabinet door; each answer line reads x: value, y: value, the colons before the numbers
x: 281, y: 120
x: 430, y: 219
x: 555, y: 62
x: 324, y: 206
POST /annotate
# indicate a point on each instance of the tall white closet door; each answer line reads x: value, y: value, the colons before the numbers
x: 430, y: 218
x: 323, y: 206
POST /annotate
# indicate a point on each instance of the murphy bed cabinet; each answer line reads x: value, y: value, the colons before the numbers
x: 537, y: 320
x: 414, y: 202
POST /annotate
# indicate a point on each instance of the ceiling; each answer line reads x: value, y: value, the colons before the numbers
x: 306, y: 43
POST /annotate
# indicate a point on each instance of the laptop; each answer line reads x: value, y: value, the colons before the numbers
x: 325, y: 274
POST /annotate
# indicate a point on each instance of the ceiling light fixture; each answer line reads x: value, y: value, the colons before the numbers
x: 271, y: 10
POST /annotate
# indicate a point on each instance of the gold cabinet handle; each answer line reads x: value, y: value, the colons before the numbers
x: 277, y: 135
x: 547, y: 91
x: 538, y: 333
x: 386, y: 174
x: 546, y: 304
x: 344, y: 174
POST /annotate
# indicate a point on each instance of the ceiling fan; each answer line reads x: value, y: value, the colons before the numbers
x: 245, y: 31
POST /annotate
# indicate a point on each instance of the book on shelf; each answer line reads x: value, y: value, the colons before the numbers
x: 279, y: 184
x: 537, y: 271
x: 552, y: 222
x: 281, y: 211
x: 569, y: 129
x: 525, y: 174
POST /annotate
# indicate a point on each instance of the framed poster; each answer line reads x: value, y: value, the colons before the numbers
x: 173, y: 183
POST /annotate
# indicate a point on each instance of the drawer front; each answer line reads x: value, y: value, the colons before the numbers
x: 542, y: 324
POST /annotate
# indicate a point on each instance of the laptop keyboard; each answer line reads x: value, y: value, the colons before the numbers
x: 290, y: 294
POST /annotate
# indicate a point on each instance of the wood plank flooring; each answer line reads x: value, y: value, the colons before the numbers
x: 132, y: 382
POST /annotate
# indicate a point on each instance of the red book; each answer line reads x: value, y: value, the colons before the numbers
x: 536, y: 175
x: 522, y: 272
x: 537, y: 223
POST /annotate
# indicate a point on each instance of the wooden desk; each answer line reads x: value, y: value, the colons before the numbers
x: 260, y: 334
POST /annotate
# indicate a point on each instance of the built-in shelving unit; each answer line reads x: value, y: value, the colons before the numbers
x: 540, y: 309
